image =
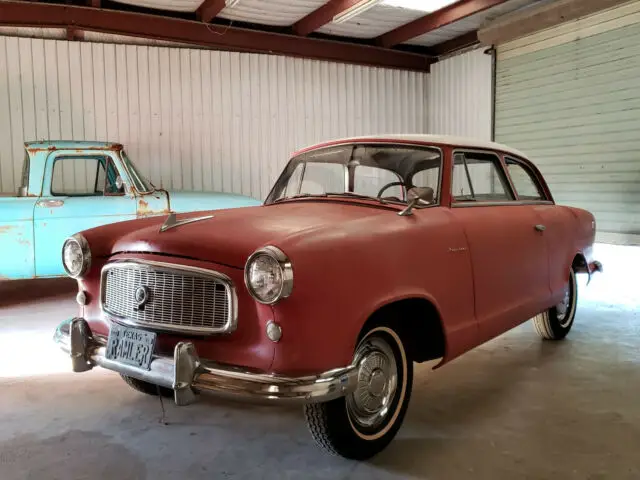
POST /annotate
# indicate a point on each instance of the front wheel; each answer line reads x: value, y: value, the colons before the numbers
x: 364, y: 422
x: 555, y: 323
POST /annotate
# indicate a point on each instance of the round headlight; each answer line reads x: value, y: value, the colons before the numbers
x: 76, y: 256
x: 268, y: 275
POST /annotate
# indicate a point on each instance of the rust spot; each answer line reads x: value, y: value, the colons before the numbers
x: 6, y: 228
x: 143, y: 209
x: 51, y: 148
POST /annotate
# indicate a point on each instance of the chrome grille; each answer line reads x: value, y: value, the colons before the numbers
x: 178, y: 298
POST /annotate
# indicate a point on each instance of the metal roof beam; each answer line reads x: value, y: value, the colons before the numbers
x: 209, y: 9
x: 440, y: 18
x: 450, y: 46
x: 321, y: 16
x: 31, y: 14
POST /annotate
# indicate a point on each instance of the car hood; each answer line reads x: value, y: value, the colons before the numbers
x: 230, y: 236
x: 198, y: 201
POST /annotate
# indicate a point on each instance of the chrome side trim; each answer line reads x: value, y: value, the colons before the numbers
x: 498, y: 204
x: 186, y: 374
x: 232, y: 297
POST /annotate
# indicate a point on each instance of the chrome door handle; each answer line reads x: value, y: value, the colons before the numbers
x: 50, y: 203
x: 540, y: 228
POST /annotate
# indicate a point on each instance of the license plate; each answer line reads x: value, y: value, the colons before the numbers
x: 131, y: 346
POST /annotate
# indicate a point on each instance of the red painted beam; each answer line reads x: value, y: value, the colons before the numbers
x: 455, y: 44
x: 74, y: 34
x: 452, y: 13
x: 321, y: 16
x: 209, y: 9
x: 30, y: 14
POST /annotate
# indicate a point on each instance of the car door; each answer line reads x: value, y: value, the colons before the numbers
x: 508, y: 254
x: 81, y: 190
x: 556, y: 222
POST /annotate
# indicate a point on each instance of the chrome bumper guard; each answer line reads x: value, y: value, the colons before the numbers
x: 187, y: 375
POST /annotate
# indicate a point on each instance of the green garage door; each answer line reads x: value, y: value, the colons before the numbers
x: 569, y: 97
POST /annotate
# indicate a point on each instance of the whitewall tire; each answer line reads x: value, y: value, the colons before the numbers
x: 363, y: 423
x: 555, y: 323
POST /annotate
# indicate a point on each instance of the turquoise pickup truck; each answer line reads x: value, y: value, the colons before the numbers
x: 67, y: 187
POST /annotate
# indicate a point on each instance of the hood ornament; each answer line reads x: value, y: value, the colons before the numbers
x: 172, y: 221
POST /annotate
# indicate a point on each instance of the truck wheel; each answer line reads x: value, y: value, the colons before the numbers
x: 146, y: 387
x: 555, y: 323
x: 363, y: 423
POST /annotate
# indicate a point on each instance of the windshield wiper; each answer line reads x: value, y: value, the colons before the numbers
x: 300, y: 195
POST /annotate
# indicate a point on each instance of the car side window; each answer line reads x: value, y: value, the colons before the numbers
x: 90, y: 176
x: 524, y: 181
x: 478, y: 177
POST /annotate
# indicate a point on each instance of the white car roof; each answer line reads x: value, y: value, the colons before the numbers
x: 424, y: 138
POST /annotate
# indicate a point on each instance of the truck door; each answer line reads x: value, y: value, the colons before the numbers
x: 81, y: 190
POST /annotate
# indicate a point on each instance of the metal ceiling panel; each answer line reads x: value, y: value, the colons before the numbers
x: 373, y: 22
x: 470, y: 23
x: 173, y: 5
x: 271, y: 12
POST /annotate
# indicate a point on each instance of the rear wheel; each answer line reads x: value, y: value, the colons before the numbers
x: 146, y: 387
x: 555, y: 323
x: 363, y: 423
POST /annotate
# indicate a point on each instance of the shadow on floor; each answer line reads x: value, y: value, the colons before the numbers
x: 17, y: 292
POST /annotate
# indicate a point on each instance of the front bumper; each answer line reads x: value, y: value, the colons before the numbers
x: 187, y: 375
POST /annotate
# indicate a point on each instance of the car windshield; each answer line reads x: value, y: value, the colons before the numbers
x: 387, y: 173
x: 142, y: 184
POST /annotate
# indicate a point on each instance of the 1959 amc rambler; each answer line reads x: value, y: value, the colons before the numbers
x: 369, y: 254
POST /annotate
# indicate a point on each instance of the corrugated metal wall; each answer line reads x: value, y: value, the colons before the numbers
x: 194, y: 119
x: 460, y: 95
x: 569, y: 97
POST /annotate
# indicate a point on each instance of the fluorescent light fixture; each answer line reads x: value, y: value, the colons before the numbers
x: 421, y: 5
x: 231, y: 3
x: 354, y: 10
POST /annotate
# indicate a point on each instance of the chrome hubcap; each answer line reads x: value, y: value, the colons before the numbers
x: 369, y: 404
x: 563, y: 309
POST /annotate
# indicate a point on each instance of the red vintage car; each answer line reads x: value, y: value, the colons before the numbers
x: 369, y: 254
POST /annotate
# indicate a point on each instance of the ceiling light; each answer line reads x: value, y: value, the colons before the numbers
x: 421, y: 5
x: 231, y: 3
x: 354, y: 10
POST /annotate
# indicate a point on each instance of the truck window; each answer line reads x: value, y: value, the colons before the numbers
x: 24, y: 180
x: 90, y: 176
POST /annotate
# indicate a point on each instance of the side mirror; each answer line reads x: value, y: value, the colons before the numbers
x: 22, y: 191
x: 119, y: 183
x: 416, y: 196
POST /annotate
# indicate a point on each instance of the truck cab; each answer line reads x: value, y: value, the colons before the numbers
x: 67, y: 187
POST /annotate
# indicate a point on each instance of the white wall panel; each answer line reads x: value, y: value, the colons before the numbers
x: 460, y: 96
x: 194, y: 119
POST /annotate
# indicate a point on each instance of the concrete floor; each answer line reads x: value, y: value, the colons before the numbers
x: 516, y: 407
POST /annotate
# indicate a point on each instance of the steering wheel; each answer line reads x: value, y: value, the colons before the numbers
x: 392, y: 184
